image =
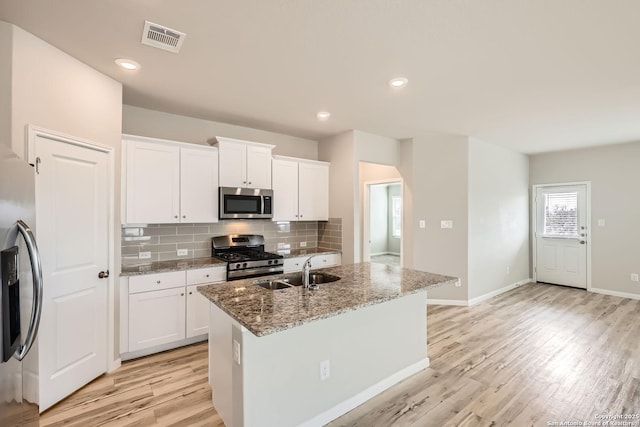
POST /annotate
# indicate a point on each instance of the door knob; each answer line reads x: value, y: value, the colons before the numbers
x: 103, y: 274
x: 582, y: 242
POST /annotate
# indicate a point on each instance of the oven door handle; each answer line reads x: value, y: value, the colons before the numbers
x: 36, y: 271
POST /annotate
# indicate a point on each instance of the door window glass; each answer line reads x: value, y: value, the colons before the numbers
x: 561, y: 214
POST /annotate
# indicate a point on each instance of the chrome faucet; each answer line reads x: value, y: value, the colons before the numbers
x: 305, y: 273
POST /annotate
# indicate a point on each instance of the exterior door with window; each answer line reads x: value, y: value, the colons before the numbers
x: 561, y: 235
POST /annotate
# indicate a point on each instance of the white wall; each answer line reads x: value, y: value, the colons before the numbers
x: 498, y: 218
x: 52, y: 90
x: 157, y: 124
x: 615, y: 197
x: 6, y: 47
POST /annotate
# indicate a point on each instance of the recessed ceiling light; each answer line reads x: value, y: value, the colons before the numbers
x: 127, y: 64
x: 323, y: 115
x: 398, y: 82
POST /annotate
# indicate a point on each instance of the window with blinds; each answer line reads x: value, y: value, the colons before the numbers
x: 396, y: 210
x: 561, y: 214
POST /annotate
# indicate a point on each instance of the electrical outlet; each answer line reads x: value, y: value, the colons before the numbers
x: 236, y: 352
x: 634, y: 277
x: 458, y: 283
x: 422, y: 223
x: 325, y: 370
x: 183, y: 252
x: 446, y: 223
x: 601, y: 222
x: 144, y: 255
x: 303, y: 244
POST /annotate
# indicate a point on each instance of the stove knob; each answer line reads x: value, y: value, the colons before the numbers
x: 238, y: 266
x: 244, y: 265
x: 270, y: 262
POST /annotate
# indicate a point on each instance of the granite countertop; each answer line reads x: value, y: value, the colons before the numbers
x: 264, y: 312
x: 309, y: 251
x: 173, y: 265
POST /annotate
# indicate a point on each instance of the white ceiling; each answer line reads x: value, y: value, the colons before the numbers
x: 533, y: 75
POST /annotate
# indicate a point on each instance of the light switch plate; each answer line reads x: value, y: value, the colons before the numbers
x: 601, y: 222
x: 422, y: 223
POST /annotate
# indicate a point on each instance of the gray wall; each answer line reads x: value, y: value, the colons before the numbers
x: 435, y: 168
x: 615, y: 197
x: 498, y: 218
x: 156, y: 124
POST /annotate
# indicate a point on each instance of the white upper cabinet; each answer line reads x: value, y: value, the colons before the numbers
x: 152, y: 183
x: 300, y: 189
x: 244, y: 164
x: 285, y: 190
x: 198, y: 185
x: 168, y: 182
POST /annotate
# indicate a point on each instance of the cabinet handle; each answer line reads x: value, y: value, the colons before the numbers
x: 158, y: 282
x: 182, y: 294
x: 244, y: 182
x: 249, y: 183
x: 301, y: 216
x: 207, y: 275
x: 184, y: 216
x: 190, y: 293
x: 175, y: 216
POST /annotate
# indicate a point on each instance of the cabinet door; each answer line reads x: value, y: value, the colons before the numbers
x: 292, y: 265
x: 313, y: 190
x: 198, y: 185
x: 152, y: 183
x: 233, y: 164
x: 156, y: 318
x: 197, y: 313
x: 285, y: 190
x: 258, y: 167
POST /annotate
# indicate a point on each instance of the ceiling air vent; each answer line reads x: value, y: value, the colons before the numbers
x: 162, y: 37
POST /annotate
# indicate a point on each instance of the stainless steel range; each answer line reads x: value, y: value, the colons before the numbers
x: 245, y: 256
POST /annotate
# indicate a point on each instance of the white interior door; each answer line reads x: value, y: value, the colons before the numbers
x: 561, y: 235
x: 72, y: 214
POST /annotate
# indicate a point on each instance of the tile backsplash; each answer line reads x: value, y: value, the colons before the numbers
x: 162, y: 241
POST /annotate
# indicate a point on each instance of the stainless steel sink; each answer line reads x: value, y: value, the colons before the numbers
x: 295, y: 279
x: 273, y: 284
x: 314, y: 278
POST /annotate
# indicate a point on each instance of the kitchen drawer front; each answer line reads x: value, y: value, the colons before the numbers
x: 328, y: 260
x: 155, y: 282
x: 318, y: 261
x: 206, y: 275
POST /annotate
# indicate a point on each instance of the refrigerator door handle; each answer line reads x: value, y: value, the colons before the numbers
x: 36, y: 270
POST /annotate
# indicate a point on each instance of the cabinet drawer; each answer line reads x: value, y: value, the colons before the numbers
x: 328, y: 260
x: 206, y: 275
x: 154, y: 282
x: 293, y: 264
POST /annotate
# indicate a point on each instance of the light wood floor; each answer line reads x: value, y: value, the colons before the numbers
x: 537, y: 354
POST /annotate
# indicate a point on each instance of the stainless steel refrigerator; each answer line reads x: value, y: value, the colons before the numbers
x: 21, y: 293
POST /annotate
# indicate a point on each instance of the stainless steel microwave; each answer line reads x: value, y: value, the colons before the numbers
x: 245, y: 203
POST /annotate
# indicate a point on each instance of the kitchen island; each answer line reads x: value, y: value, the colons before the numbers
x: 304, y: 357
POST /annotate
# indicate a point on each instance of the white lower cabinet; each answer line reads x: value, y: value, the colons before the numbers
x: 318, y: 261
x: 164, y: 310
x: 156, y: 318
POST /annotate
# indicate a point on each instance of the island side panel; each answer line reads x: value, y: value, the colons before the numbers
x: 369, y: 349
x: 221, y: 363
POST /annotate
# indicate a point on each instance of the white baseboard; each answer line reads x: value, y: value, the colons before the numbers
x: 497, y: 292
x: 384, y: 253
x: 615, y: 293
x: 481, y: 298
x: 163, y: 347
x: 115, y: 364
x: 357, y: 400
x: 431, y: 301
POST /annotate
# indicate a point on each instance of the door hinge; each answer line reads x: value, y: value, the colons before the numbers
x: 38, y: 161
